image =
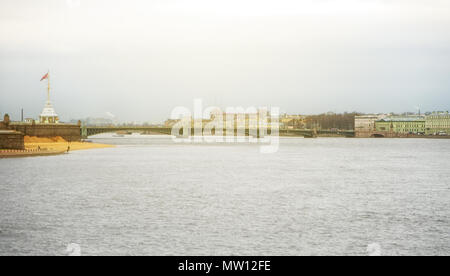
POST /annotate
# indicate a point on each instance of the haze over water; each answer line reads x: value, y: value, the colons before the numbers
x: 150, y: 196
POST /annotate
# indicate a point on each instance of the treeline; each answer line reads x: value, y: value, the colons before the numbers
x: 345, y: 121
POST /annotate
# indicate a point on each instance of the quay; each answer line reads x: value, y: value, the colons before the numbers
x: 29, y: 153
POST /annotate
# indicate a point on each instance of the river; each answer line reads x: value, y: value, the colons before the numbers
x: 150, y: 196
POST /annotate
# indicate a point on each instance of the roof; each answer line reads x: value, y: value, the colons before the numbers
x: 403, y: 119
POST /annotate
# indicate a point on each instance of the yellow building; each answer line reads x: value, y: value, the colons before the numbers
x: 402, y: 124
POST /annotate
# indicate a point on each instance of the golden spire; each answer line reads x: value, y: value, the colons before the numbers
x: 48, y: 86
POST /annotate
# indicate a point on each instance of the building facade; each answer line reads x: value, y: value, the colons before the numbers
x: 5, y: 123
x: 365, y: 124
x: 292, y: 121
x: 438, y: 123
x: 48, y: 115
x: 401, y: 125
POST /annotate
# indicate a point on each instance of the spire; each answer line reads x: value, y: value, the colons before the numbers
x: 47, y: 76
x: 48, y: 86
x: 48, y: 114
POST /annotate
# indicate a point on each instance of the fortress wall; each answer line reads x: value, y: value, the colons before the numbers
x: 11, y: 140
x: 68, y: 132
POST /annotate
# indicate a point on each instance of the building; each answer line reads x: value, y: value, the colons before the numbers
x: 292, y: 121
x: 5, y: 123
x: 401, y: 125
x: 10, y: 139
x: 48, y: 115
x: 365, y: 124
x: 438, y: 123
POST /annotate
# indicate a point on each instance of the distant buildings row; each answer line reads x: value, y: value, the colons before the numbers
x: 328, y: 121
x: 382, y: 125
x: 252, y: 119
x: 249, y: 120
x: 377, y: 125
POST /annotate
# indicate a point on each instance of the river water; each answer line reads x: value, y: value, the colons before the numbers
x: 325, y: 196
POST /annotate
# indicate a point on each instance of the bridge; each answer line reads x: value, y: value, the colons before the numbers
x: 87, y: 131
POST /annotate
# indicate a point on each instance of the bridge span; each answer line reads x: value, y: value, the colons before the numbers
x: 87, y: 131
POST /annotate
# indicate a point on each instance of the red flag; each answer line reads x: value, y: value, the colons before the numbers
x: 44, y: 77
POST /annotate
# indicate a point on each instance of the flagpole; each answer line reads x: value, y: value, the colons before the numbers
x: 48, y: 86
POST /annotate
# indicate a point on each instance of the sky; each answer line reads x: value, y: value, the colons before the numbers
x: 137, y: 60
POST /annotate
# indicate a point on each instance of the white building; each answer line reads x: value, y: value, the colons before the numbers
x: 365, y: 124
x: 48, y: 115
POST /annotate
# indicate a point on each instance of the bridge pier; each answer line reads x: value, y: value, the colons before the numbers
x: 84, y: 133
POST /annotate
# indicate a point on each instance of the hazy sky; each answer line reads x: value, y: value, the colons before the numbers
x: 139, y: 59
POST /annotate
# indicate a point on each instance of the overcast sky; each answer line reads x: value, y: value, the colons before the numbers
x: 139, y: 59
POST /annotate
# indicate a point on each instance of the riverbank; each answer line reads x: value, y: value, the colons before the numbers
x: 29, y: 153
x: 35, y: 146
x: 58, y: 144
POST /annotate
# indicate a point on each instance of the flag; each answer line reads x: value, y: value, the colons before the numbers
x: 44, y: 77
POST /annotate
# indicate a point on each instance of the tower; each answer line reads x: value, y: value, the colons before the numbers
x: 5, y: 123
x: 48, y: 115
